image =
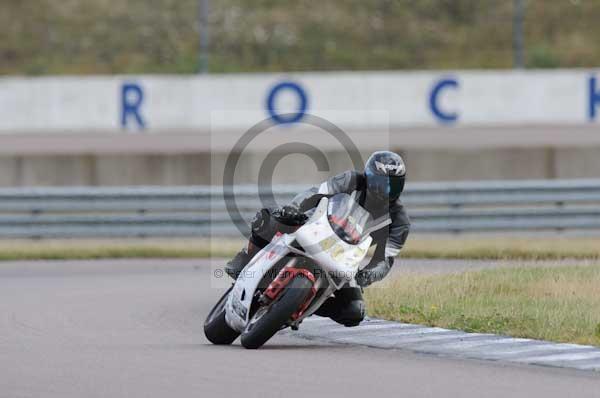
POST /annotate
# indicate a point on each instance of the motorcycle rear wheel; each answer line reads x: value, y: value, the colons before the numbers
x: 268, y: 320
x: 216, y: 329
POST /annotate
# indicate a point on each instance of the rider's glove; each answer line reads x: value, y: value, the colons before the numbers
x: 289, y: 215
x: 369, y: 275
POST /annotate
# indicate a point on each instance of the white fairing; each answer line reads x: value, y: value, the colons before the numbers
x: 321, y: 243
x: 340, y: 260
x: 240, y: 299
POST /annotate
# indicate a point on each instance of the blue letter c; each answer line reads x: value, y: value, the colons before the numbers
x: 444, y: 117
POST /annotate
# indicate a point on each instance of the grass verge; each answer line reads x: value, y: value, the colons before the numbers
x: 557, y: 304
x: 503, y: 248
x: 127, y: 248
x: 430, y: 247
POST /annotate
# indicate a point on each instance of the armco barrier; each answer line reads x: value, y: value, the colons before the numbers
x: 557, y: 205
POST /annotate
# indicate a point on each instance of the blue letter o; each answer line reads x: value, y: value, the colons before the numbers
x: 291, y: 118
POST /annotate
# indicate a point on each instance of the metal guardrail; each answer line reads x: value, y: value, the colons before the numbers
x: 201, y: 210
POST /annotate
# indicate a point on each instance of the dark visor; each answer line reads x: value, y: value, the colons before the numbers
x: 384, y: 186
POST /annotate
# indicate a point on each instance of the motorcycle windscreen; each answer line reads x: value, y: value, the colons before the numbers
x: 323, y: 244
x: 347, y: 218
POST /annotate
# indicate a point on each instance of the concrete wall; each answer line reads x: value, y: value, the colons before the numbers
x: 353, y: 100
x: 186, y: 169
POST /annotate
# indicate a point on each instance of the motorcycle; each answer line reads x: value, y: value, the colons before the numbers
x: 291, y: 277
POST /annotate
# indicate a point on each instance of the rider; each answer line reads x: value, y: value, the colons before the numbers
x: 378, y: 188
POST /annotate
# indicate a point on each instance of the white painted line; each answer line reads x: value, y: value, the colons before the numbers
x: 317, y: 319
x: 431, y: 337
x: 400, y: 333
x: 418, y: 331
x: 320, y: 326
x: 398, y: 330
x: 535, y: 346
x: 490, y: 342
x: 461, y: 337
x: 389, y: 328
x: 593, y: 366
x: 561, y: 357
x: 403, y: 340
x: 469, y: 344
x: 368, y: 329
x: 378, y: 326
x: 424, y: 344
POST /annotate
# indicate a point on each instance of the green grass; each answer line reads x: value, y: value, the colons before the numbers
x: 40, y: 37
x: 503, y: 248
x: 463, y: 247
x: 79, y: 249
x: 557, y: 304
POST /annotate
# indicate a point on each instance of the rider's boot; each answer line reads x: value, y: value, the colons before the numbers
x: 347, y: 307
x: 234, y: 267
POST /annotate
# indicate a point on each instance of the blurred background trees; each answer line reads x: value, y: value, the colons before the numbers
x: 162, y: 36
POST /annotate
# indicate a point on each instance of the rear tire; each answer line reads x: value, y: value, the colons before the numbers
x: 278, y: 313
x: 216, y: 329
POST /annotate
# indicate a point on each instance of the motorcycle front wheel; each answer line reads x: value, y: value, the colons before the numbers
x: 268, y: 320
x: 216, y: 329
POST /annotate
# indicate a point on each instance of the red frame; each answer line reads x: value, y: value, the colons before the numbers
x: 282, y: 279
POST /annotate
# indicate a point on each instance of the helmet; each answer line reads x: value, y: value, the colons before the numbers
x: 385, y: 172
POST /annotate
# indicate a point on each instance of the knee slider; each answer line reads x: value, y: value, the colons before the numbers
x: 354, y: 313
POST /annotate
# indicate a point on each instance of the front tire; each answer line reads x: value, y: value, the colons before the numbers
x: 268, y: 320
x: 216, y: 329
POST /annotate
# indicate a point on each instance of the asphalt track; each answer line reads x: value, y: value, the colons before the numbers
x: 134, y: 329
